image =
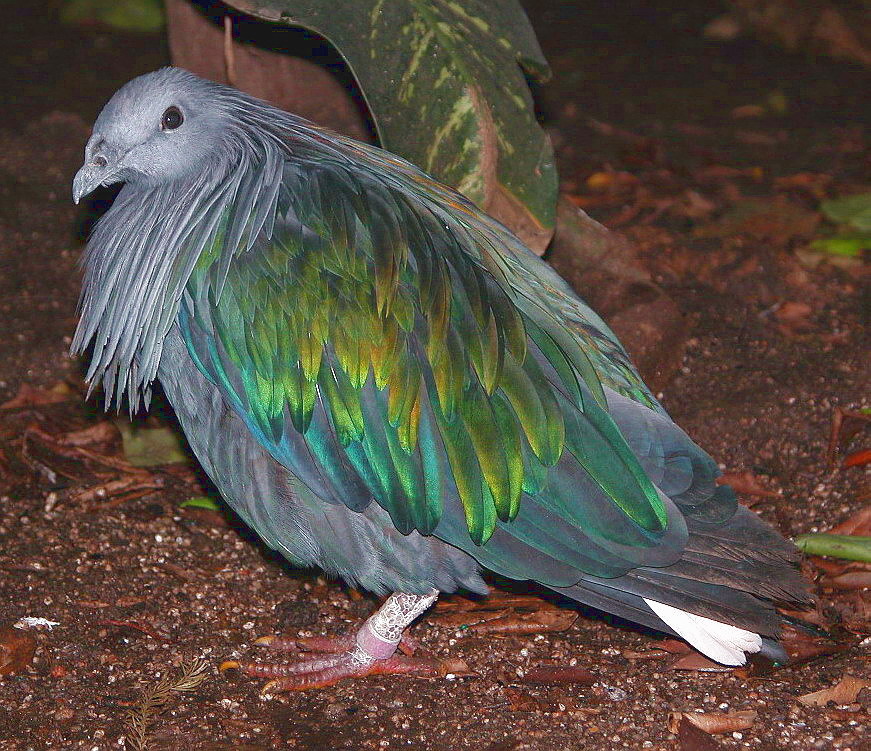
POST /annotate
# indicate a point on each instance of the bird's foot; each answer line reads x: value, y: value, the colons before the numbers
x: 369, y: 651
x: 322, y: 671
x: 327, y: 644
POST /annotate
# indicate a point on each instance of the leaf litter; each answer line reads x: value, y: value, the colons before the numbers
x: 719, y: 271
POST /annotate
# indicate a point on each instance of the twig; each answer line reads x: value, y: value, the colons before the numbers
x: 125, y: 486
x: 137, y: 626
x: 154, y: 699
x: 229, y: 53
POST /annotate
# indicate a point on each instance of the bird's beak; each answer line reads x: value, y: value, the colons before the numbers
x: 101, y: 164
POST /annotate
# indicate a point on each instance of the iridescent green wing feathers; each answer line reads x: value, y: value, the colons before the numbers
x: 386, y: 341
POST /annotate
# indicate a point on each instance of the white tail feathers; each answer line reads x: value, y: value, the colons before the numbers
x: 721, y: 642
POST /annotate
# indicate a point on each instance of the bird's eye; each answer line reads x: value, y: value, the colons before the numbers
x: 171, y: 119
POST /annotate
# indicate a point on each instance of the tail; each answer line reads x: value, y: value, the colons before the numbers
x: 721, y: 642
x: 721, y: 595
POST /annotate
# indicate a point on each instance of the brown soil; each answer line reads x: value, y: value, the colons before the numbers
x: 141, y: 585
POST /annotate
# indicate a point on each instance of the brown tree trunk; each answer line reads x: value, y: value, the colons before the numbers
x: 269, y: 61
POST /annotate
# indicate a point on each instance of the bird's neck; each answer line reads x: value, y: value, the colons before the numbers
x: 141, y: 256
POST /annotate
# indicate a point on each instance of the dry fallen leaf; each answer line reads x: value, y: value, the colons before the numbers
x: 802, y: 646
x: 748, y: 110
x: 858, y: 524
x: 713, y: 722
x: 691, y: 738
x: 523, y: 702
x: 673, y: 646
x: 857, y: 459
x: 101, y: 432
x: 848, y: 580
x: 527, y: 623
x: 651, y: 654
x: 746, y: 483
x: 549, y: 675
x: 697, y: 661
x: 497, y: 600
x: 813, y: 182
x: 30, y: 396
x: 456, y: 667
x: 794, y: 317
x: 17, y: 648
x: 843, y: 692
x: 845, y: 424
x: 466, y: 618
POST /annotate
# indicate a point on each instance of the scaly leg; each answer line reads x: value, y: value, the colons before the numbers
x: 371, y: 651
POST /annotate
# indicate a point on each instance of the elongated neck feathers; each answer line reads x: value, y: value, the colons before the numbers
x: 145, y: 248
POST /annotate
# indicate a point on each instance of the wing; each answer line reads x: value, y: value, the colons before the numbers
x: 385, y: 341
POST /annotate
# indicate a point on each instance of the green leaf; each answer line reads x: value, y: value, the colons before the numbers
x: 850, y: 547
x: 130, y: 15
x: 850, y: 244
x: 854, y: 211
x: 201, y: 501
x: 149, y: 447
x: 444, y: 80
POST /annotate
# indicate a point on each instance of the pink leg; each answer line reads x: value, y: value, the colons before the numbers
x: 371, y: 651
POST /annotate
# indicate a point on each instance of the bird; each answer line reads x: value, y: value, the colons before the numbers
x: 385, y: 383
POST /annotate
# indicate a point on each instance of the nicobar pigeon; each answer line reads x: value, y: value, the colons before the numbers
x: 385, y: 383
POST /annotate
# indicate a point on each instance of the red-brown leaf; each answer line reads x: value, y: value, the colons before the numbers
x: 101, y: 432
x: 697, y: 661
x: 801, y: 646
x: 549, y: 675
x: 17, y: 648
x: 531, y: 623
x: 30, y: 396
x: 844, y: 692
x: 691, y: 738
x: 713, y: 722
x: 858, y: 524
x: 848, y: 580
x: 746, y: 483
x: 673, y: 646
x: 857, y: 459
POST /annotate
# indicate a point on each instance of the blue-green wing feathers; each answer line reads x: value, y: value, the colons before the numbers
x: 384, y: 347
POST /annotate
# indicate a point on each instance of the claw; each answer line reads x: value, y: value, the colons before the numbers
x: 371, y: 650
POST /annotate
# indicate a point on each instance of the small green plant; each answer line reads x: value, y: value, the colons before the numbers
x: 853, y: 216
x: 151, y: 447
x: 848, y: 547
x: 201, y: 501
x: 130, y: 15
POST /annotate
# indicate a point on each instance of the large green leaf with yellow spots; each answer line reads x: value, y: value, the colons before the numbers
x: 444, y: 81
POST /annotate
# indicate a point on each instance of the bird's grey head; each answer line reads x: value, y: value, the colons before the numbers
x: 158, y: 128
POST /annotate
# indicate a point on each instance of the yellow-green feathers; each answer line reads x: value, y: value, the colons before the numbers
x: 375, y: 337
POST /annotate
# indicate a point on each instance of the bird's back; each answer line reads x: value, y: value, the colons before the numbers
x: 390, y: 345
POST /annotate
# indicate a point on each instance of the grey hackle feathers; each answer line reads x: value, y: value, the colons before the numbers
x: 175, y: 194
x: 386, y: 384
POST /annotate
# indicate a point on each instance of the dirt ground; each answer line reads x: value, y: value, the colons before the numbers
x: 712, y: 159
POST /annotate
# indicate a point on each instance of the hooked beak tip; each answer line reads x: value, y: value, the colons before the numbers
x: 87, y: 179
x: 80, y: 185
x: 98, y: 169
